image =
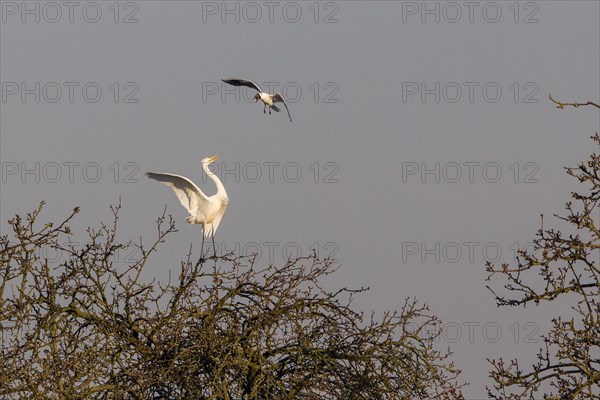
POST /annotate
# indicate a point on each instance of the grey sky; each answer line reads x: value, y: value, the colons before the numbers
x: 376, y: 217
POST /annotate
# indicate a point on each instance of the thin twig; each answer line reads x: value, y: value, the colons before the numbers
x: 576, y: 105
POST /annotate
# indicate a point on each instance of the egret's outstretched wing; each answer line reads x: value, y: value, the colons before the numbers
x: 242, y: 82
x: 210, y: 229
x: 190, y: 195
x: 277, y: 98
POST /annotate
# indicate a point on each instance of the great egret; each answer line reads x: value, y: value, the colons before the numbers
x: 266, y: 98
x: 203, y: 209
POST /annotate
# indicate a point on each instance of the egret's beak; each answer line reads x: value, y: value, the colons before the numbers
x: 213, y: 158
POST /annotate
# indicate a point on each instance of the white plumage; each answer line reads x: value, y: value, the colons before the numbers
x: 205, y: 210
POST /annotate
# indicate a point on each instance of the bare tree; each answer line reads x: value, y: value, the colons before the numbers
x: 91, y: 326
x: 568, y: 366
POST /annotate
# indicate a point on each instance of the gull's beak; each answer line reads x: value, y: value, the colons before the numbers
x: 213, y: 158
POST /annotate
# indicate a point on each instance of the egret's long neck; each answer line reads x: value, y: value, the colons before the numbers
x: 220, y: 188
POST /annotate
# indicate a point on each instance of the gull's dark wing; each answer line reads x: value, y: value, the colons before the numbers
x: 242, y: 82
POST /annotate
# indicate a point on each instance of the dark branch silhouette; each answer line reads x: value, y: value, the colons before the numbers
x: 576, y: 105
x: 559, y: 267
x: 93, y: 325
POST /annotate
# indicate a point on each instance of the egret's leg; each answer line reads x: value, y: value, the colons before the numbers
x: 269, y: 110
x: 214, y: 247
x: 202, y: 246
x: 264, y: 107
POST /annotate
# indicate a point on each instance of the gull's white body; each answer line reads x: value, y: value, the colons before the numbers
x: 267, y: 98
x: 205, y: 210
